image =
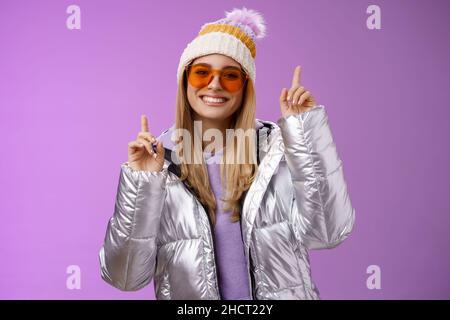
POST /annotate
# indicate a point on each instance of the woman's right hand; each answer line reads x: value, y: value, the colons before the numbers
x: 140, y: 152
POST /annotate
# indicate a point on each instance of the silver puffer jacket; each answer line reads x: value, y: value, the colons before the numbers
x: 298, y: 201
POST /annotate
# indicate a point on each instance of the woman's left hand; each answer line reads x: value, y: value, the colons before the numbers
x: 297, y: 99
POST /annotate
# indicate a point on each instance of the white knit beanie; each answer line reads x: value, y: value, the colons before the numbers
x: 233, y: 36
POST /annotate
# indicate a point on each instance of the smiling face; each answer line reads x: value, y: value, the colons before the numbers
x: 209, y: 109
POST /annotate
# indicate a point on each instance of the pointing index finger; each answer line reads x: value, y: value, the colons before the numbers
x: 296, y: 77
x: 144, y: 123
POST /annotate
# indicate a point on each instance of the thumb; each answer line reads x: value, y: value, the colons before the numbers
x: 160, y: 149
x: 283, y: 96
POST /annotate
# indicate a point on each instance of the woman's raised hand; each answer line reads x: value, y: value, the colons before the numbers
x: 297, y: 99
x: 141, y: 154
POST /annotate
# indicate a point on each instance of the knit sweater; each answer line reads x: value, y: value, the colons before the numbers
x: 229, y: 248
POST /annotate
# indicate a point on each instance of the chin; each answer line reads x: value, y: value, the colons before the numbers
x: 213, y: 112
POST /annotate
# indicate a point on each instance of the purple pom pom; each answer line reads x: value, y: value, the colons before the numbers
x: 249, y: 18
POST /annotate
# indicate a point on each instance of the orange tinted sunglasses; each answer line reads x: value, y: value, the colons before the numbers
x: 200, y: 75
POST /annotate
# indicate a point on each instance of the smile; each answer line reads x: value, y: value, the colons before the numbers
x: 214, y: 101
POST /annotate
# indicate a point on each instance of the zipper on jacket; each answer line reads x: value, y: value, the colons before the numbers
x: 211, y: 227
x: 251, y: 284
x: 248, y: 264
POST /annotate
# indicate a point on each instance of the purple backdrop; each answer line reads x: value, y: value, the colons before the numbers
x: 70, y: 100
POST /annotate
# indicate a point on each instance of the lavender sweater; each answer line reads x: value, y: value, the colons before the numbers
x: 229, y: 248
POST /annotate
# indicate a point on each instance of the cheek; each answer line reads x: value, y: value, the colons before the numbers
x: 237, y: 100
x: 190, y: 93
x: 192, y: 97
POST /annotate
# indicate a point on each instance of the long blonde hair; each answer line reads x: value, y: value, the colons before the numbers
x: 236, y: 177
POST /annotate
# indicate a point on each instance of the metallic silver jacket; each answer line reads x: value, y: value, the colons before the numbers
x: 298, y: 201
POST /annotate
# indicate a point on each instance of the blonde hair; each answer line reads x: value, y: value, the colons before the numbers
x: 236, y: 177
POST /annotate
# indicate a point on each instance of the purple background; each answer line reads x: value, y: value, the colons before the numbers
x: 71, y: 100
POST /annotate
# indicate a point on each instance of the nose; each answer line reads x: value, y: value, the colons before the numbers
x: 215, y: 82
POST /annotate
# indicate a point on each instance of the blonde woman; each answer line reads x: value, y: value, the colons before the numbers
x: 204, y: 225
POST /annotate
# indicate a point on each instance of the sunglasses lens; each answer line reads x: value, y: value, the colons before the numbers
x: 199, y: 76
x: 231, y: 80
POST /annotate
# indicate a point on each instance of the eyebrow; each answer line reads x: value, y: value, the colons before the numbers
x: 207, y: 64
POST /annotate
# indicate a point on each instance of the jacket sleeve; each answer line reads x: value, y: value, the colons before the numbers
x: 127, y: 257
x: 322, y: 204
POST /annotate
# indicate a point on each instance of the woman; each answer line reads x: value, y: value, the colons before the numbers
x: 205, y: 226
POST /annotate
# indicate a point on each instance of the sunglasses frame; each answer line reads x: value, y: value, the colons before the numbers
x: 246, y: 76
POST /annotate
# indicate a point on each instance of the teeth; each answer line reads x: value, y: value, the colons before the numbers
x: 214, y: 100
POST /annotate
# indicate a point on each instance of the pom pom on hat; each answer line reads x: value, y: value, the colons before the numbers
x: 248, y: 17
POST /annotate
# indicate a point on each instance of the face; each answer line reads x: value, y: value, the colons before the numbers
x: 209, y: 110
